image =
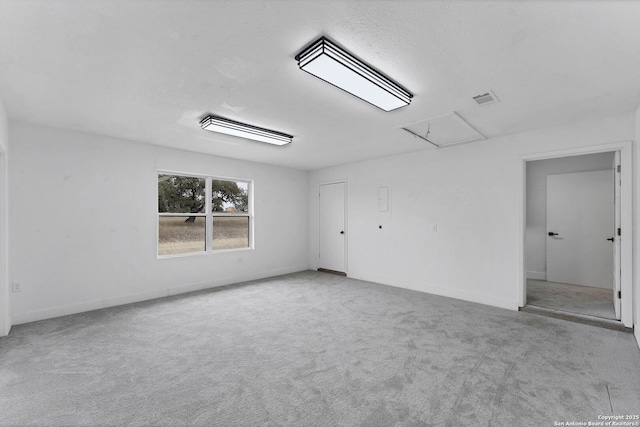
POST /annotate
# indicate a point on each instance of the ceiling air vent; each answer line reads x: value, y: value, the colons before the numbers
x: 486, y: 98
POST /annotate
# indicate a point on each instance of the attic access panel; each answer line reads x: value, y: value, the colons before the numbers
x: 442, y: 131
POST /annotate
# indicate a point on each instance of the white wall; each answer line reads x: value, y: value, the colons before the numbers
x: 472, y: 192
x: 537, y: 171
x: 5, y: 312
x: 83, y: 219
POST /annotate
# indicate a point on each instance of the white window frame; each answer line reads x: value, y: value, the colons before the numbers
x: 208, y: 214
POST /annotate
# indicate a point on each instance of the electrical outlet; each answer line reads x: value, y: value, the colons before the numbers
x: 434, y: 228
x: 16, y: 287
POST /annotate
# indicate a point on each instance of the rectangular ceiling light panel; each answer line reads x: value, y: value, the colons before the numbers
x: 243, y: 130
x: 334, y: 65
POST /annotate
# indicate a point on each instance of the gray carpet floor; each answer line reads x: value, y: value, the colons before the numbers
x: 587, y: 300
x: 313, y: 349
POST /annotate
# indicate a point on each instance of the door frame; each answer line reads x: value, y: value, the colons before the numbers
x: 617, y: 210
x: 346, y: 224
x: 5, y: 292
x: 626, y: 219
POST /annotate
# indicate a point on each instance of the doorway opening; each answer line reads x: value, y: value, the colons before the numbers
x: 573, y: 248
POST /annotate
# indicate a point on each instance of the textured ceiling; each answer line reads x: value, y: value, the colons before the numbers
x: 148, y: 70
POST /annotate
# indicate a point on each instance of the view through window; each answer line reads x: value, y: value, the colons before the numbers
x: 202, y: 214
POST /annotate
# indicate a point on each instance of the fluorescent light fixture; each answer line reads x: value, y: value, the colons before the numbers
x: 327, y: 61
x: 243, y: 130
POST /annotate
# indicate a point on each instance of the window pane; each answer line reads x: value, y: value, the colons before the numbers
x: 230, y: 232
x: 181, y: 194
x: 180, y: 234
x: 229, y: 196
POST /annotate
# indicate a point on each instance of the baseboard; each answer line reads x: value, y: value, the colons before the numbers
x: 48, y: 313
x: 636, y: 333
x: 537, y: 275
x: 446, y: 292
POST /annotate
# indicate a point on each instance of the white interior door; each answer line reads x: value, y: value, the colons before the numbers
x: 332, y: 230
x: 617, y: 247
x: 580, y: 220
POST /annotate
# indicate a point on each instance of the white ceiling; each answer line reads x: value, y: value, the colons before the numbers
x: 148, y: 70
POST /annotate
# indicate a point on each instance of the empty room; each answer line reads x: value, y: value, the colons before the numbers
x: 336, y: 213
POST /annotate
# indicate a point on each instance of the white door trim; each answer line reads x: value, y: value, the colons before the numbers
x: 5, y: 292
x: 346, y: 223
x: 626, y: 220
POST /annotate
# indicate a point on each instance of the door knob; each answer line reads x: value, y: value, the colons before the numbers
x: 612, y: 239
x: 342, y: 232
x: 551, y: 233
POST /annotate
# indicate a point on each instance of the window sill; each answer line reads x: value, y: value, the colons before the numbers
x: 213, y: 252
